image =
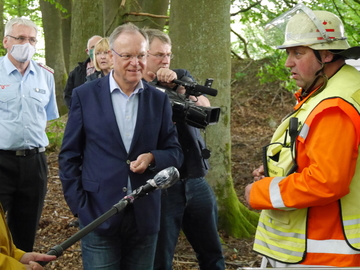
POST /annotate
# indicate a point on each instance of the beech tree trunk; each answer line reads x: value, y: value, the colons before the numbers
x: 201, y: 43
x: 86, y: 21
x: 54, y: 53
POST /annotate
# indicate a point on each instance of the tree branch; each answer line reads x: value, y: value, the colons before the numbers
x: 148, y: 15
x: 246, y: 9
x: 236, y: 55
x: 245, y: 43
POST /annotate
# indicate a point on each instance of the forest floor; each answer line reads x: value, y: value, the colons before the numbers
x: 256, y: 111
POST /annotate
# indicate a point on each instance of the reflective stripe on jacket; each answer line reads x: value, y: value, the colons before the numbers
x: 282, y: 231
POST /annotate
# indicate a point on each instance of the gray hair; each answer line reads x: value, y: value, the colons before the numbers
x: 20, y: 21
x: 156, y: 33
x: 87, y: 45
x: 126, y: 28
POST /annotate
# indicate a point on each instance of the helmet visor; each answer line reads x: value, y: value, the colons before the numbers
x: 300, y: 26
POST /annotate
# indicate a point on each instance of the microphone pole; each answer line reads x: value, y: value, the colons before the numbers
x: 162, y: 180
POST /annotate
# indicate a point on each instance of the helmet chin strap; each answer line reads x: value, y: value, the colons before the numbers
x: 319, y: 74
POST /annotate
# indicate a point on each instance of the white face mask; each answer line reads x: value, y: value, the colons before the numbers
x: 22, y: 52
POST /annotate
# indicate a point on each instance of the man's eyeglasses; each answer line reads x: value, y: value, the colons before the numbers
x: 163, y: 55
x: 126, y: 56
x: 23, y: 39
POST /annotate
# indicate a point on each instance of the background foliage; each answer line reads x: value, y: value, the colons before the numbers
x: 247, y: 19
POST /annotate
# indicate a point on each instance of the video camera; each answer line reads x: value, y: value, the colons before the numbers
x: 185, y: 109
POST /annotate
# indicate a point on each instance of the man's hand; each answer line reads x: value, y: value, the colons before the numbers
x: 28, y: 259
x: 149, y: 76
x: 258, y: 173
x: 247, y: 195
x: 142, y: 162
x: 166, y: 75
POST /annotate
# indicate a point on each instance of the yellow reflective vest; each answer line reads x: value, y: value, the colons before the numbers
x: 282, y: 234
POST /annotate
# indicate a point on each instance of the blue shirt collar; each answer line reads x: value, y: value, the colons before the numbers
x: 113, y: 85
x: 9, y: 66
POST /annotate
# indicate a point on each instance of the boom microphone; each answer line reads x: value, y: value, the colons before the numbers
x: 161, y: 180
x: 197, y: 88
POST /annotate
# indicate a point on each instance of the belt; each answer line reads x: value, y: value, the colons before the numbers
x: 23, y: 153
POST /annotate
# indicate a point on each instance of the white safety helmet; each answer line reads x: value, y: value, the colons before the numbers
x: 319, y: 30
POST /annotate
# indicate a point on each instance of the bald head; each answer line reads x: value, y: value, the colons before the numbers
x: 91, y: 42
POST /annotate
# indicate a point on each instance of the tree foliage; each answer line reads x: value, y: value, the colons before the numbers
x: 252, y: 16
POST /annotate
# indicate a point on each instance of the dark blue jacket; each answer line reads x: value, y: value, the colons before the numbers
x: 93, y: 161
x: 192, y: 144
x: 76, y: 78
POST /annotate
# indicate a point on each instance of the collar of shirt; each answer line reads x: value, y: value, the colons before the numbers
x: 9, y: 66
x: 113, y: 85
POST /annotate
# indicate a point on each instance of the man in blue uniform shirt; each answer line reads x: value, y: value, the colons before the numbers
x: 27, y: 102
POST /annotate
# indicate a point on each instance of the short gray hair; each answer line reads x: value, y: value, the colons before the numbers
x: 88, y: 42
x: 156, y: 33
x: 128, y: 28
x: 20, y: 21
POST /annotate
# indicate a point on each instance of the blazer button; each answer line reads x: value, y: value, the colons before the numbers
x: 128, y: 162
x: 124, y: 189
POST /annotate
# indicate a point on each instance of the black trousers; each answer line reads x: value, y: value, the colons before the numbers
x: 23, y: 185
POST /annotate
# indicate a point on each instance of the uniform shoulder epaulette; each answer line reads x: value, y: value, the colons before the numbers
x: 46, y: 67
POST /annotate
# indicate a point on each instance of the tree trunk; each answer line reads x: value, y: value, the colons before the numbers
x: 54, y: 49
x: 142, y: 13
x: 113, y: 15
x: 201, y: 43
x: 66, y: 30
x: 86, y: 21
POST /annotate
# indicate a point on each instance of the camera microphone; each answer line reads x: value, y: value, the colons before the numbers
x: 196, y: 88
x: 185, y: 109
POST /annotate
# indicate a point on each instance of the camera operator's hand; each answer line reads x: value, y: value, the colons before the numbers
x: 199, y: 100
x: 166, y: 75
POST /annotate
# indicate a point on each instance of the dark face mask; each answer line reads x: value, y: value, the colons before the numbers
x: 91, y: 54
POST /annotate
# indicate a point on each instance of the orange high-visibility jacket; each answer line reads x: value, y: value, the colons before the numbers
x: 9, y: 254
x: 313, y: 215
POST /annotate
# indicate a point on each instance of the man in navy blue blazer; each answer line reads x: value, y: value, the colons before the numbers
x: 119, y: 134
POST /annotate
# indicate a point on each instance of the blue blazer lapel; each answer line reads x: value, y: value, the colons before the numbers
x: 142, y: 115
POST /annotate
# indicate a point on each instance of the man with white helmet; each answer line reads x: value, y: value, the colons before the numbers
x: 309, y: 185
